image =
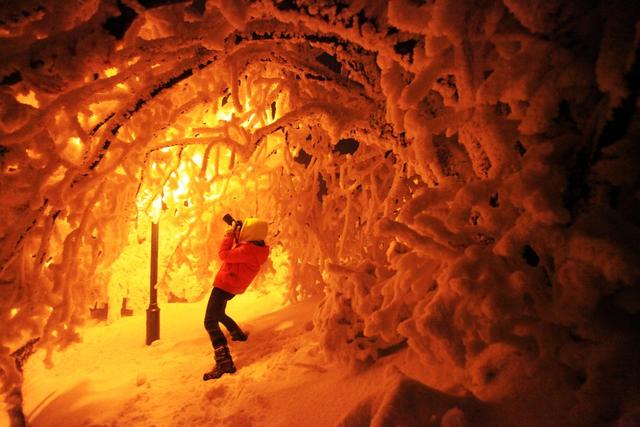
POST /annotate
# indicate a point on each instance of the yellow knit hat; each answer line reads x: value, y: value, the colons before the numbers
x: 253, y: 229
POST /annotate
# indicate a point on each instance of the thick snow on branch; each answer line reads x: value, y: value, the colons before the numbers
x: 457, y: 176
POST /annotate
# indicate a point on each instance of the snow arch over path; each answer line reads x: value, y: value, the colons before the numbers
x: 456, y: 177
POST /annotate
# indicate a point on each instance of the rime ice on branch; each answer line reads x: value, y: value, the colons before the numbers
x: 453, y: 176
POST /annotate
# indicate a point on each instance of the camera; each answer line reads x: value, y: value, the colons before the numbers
x: 232, y: 222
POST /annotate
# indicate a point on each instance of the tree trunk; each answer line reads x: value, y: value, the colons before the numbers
x: 14, y: 398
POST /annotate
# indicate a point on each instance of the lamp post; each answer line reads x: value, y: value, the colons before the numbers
x: 153, y: 312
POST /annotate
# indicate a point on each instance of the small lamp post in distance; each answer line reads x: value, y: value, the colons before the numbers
x: 153, y: 311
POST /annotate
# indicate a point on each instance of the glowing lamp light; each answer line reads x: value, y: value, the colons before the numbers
x: 155, y: 209
x: 225, y: 114
x: 183, y: 186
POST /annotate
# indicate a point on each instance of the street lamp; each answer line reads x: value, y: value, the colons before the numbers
x: 153, y: 312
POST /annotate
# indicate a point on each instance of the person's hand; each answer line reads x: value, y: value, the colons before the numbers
x: 234, y: 229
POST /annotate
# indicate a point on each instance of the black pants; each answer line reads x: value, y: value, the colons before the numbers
x: 215, y: 314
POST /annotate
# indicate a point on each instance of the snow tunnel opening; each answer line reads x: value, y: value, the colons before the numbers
x: 180, y: 129
x: 204, y: 166
x: 186, y: 152
x: 187, y: 185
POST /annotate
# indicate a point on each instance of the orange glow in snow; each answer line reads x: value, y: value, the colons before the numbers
x: 187, y: 187
x: 29, y: 99
x: 110, y: 72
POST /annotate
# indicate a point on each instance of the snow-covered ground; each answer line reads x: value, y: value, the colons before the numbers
x: 112, y: 378
x: 284, y: 379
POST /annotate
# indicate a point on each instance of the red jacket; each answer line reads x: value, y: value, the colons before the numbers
x: 240, y: 264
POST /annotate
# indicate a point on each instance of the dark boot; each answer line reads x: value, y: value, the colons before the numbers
x: 224, y: 364
x: 239, y: 336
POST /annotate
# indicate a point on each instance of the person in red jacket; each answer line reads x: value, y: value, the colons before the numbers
x: 242, y: 253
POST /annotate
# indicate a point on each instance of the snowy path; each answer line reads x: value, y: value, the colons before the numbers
x: 112, y: 378
x: 283, y: 379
